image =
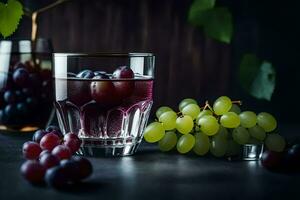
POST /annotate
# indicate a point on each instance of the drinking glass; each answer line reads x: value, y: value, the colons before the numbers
x: 104, y: 98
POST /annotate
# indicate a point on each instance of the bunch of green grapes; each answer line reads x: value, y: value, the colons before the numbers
x: 220, y: 129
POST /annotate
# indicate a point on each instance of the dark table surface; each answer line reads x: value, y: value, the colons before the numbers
x: 151, y: 174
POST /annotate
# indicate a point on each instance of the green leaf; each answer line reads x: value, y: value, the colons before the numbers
x: 218, y: 24
x: 264, y: 84
x: 10, y: 15
x: 256, y: 77
x: 197, y: 12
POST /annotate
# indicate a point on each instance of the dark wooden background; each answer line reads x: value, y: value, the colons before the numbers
x: 188, y: 64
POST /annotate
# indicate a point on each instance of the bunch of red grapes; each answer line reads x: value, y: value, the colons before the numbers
x: 27, y: 87
x: 49, y: 159
x: 288, y: 160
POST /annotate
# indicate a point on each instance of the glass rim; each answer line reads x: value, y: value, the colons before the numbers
x: 103, y: 54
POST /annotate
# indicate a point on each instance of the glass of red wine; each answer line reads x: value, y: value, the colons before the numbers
x: 25, y: 84
x: 104, y: 98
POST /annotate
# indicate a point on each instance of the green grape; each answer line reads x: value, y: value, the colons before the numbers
x: 218, y: 146
x: 266, y: 121
x: 257, y: 132
x: 222, y: 105
x: 230, y: 120
x: 233, y: 148
x: 184, y: 124
x: 192, y: 110
x: 168, y: 119
x: 240, y: 135
x: 162, y: 110
x: 248, y: 119
x: 154, y: 132
x: 235, y: 108
x: 185, y: 143
x: 254, y: 141
x: 185, y: 102
x: 208, y: 125
x: 202, y: 144
x: 222, y: 133
x: 275, y: 142
x: 168, y: 142
x: 202, y: 113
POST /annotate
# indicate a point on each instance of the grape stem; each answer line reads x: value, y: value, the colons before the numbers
x: 237, y: 102
x: 207, y: 106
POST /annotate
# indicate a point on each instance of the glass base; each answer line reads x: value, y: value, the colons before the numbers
x: 249, y: 152
x: 100, y: 148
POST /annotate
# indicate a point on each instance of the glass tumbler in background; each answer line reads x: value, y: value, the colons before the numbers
x: 25, y: 84
x: 105, y: 99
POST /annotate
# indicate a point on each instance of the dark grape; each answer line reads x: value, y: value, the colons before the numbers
x: 272, y: 160
x: 19, y: 65
x: 56, y: 177
x: 27, y: 91
x: 37, y: 136
x: 62, y: 152
x: 31, y: 102
x: 292, y: 157
x: 22, y: 109
x: 33, y: 171
x: 85, y: 167
x: 85, y: 74
x: 29, y: 66
x: 72, y: 169
x: 10, y: 110
x: 124, y: 89
x: 31, y: 150
x: 48, y: 160
x: 35, y: 80
x: 10, y: 97
x: 20, y: 96
x: 21, y: 76
x: 46, y: 74
x: 49, y: 141
x: 58, y: 133
x: 52, y: 128
x: 2, y: 117
x: 123, y: 72
x: 45, y: 151
x: 101, y: 74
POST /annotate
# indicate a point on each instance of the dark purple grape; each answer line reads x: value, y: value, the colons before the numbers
x: 272, y: 160
x: 124, y: 89
x: 22, y: 109
x: 49, y: 160
x: 85, y: 167
x: 101, y: 74
x: 45, y: 151
x: 56, y: 177
x: 20, y: 96
x: 72, y: 169
x: 19, y: 65
x: 37, y: 136
x: 35, y: 80
x: 85, y: 74
x: 20, y: 77
x: 52, y: 128
x: 123, y: 72
x: 33, y: 171
x: 292, y: 157
x: 31, y: 102
x: 10, y: 110
x: 10, y: 96
x: 79, y: 92
x: 104, y: 93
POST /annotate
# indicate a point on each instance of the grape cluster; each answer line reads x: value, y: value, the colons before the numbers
x: 27, y: 87
x: 49, y: 159
x: 220, y: 129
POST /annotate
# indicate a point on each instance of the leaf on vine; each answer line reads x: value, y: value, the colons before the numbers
x: 10, y: 15
x: 197, y: 12
x: 256, y: 77
x: 218, y: 24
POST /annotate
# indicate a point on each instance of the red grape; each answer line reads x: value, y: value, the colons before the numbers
x: 33, y: 171
x: 31, y: 150
x: 62, y: 152
x: 123, y: 72
x: 49, y: 160
x: 124, y: 89
x: 272, y: 159
x: 103, y: 92
x: 72, y: 141
x: 49, y: 141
